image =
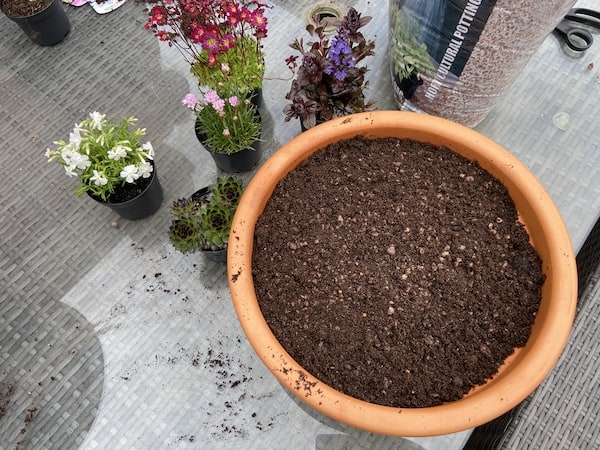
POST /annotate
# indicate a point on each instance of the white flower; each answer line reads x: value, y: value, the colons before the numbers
x: 81, y: 161
x: 67, y: 154
x: 98, y: 179
x: 47, y: 152
x: 149, y: 150
x: 69, y: 170
x: 97, y: 118
x: 75, y: 137
x: 129, y: 173
x: 118, y: 152
x: 145, y: 169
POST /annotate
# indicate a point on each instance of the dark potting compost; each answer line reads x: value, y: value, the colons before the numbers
x: 395, y: 271
x: 20, y: 8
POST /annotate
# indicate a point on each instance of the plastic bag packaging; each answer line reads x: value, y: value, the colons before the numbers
x: 455, y: 58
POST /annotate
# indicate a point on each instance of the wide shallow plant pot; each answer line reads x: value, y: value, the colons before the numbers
x: 47, y: 27
x: 520, y: 373
x: 142, y: 206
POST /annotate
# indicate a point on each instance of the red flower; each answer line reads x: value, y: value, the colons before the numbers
x: 257, y: 19
x: 198, y: 34
x: 245, y: 14
x: 232, y: 10
x: 212, y: 60
x: 259, y: 22
x: 158, y: 15
x: 207, y: 28
x: 211, y: 41
x: 227, y: 43
x: 190, y: 7
x: 233, y: 21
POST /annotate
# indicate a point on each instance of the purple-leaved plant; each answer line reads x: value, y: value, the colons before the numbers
x: 329, y: 82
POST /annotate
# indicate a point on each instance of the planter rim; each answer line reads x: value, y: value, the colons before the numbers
x: 30, y: 15
x: 521, y: 372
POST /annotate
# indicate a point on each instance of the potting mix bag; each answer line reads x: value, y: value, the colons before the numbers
x: 454, y: 58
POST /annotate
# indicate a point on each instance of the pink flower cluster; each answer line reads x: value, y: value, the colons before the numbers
x: 214, y: 25
x: 210, y: 98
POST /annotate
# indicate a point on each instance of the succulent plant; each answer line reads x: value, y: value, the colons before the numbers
x: 203, y: 222
x: 184, y: 208
x: 215, y: 222
x: 185, y: 234
x: 228, y: 191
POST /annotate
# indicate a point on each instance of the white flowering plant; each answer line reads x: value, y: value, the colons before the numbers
x: 106, y: 157
x: 226, y: 125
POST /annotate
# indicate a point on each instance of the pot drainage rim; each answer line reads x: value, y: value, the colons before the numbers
x: 324, y: 11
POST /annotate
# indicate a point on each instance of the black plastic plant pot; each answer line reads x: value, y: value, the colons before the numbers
x: 408, y: 86
x: 241, y: 161
x: 237, y: 162
x: 47, y: 27
x: 216, y: 255
x: 142, y: 206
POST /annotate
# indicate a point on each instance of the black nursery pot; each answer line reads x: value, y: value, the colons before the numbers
x: 409, y: 86
x: 216, y: 255
x: 146, y: 204
x: 47, y: 27
x: 140, y: 207
x: 241, y: 161
x: 237, y: 162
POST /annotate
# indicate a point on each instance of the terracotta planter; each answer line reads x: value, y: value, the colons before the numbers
x: 520, y: 374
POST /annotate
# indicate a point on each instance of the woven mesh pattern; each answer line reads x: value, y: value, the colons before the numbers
x: 52, y: 374
x: 574, y: 379
x: 564, y: 411
x: 108, y: 336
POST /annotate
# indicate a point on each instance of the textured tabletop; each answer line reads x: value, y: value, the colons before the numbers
x: 109, y: 338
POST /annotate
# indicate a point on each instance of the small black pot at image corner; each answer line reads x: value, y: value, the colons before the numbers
x: 408, y: 86
x: 47, y: 27
x: 216, y: 255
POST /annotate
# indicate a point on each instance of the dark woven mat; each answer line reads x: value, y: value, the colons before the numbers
x: 52, y: 374
x: 51, y: 360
